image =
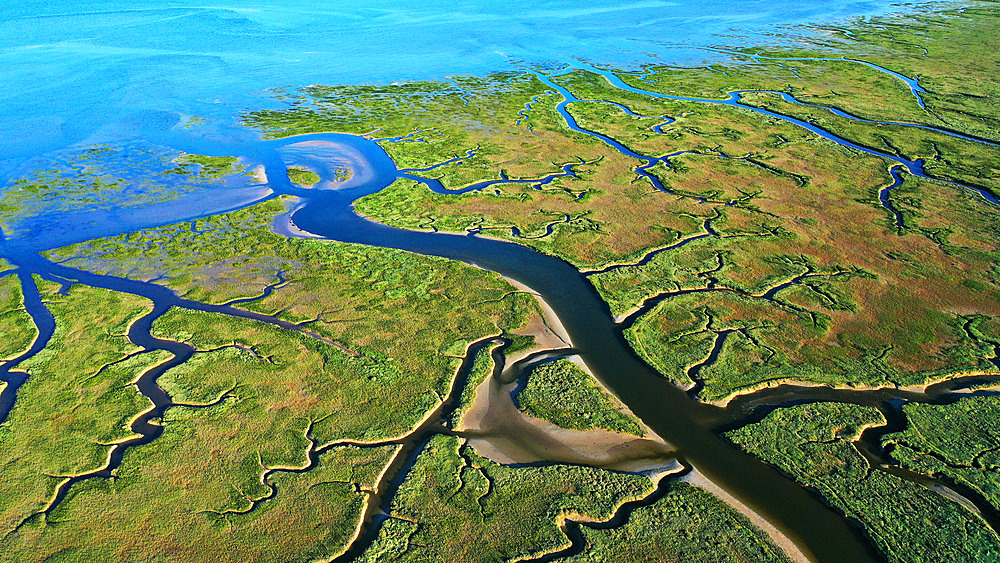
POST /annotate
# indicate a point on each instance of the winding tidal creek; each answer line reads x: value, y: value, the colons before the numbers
x: 691, y: 427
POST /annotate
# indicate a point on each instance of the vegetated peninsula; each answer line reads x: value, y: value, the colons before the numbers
x: 742, y: 312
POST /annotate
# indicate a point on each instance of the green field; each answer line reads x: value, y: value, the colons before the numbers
x: 458, y: 506
x: 16, y: 328
x: 687, y: 524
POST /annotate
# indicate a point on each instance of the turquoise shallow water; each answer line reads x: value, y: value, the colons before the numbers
x: 73, y: 72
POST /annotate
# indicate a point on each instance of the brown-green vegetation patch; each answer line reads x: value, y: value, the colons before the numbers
x: 797, y: 320
x: 944, y: 49
x: 907, y: 522
x: 302, y: 176
x: 756, y: 189
x: 359, y: 363
x: 372, y: 301
x: 945, y: 156
x: 687, y: 524
x: 458, y: 506
x: 562, y: 393
x: 585, y: 210
x: 947, y: 50
x: 295, y: 379
x: 958, y: 220
x: 877, y: 305
x: 447, y: 118
x: 261, y: 398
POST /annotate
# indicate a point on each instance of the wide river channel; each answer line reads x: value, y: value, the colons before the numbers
x: 668, y: 410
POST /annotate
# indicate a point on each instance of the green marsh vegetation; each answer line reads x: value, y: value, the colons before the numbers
x: 562, y: 393
x: 945, y: 49
x: 945, y: 156
x: 458, y: 506
x: 166, y: 496
x: 372, y: 301
x: 78, y: 399
x: 772, y: 200
x: 959, y: 85
x: 436, y: 113
x: 957, y: 442
x: 17, y: 331
x: 258, y: 396
x: 255, y: 395
x: 212, y: 167
x: 907, y: 522
x: 687, y: 524
x: 298, y: 379
x: 489, y: 127
x: 302, y: 176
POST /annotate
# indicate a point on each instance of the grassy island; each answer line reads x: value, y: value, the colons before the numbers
x: 302, y: 176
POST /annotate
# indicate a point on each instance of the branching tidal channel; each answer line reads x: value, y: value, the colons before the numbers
x: 691, y: 426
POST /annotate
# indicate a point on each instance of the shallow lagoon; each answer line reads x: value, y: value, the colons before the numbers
x: 73, y: 72
x: 75, y: 75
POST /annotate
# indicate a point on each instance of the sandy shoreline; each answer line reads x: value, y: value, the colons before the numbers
x: 695, y: 478
x: 915, y: 388
x: 549, y: 316
x: 543, y: 341
x: 259, y: 173
x: 284, y: 226
x: 499, y: 431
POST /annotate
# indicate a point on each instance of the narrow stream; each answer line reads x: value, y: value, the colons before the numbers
x: 915, y: 167
x: 45, y: 324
